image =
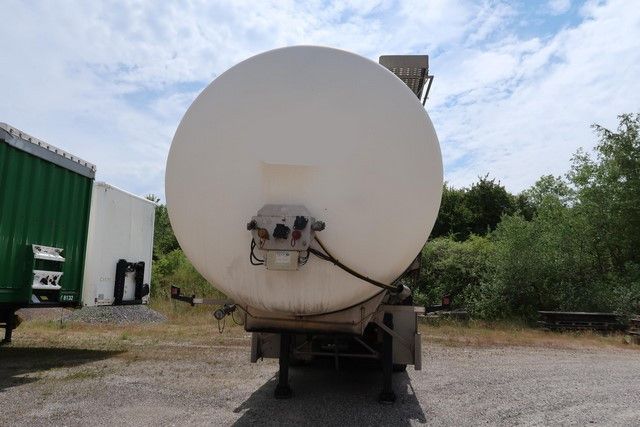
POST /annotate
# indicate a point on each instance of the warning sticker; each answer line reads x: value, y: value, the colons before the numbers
x: 283, y: 258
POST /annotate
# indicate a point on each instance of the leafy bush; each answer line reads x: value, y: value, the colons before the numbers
x: 569, y: 244
x: 475, y: 210
x: 175, y: 269
x: 170, y: 265
x: 626, y: 290
x: 453, y: 268
x: 539, y: 265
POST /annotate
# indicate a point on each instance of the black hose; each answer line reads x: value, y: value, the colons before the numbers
x: 328, y: 257
x: 326, y: 251
x: 253, y: 257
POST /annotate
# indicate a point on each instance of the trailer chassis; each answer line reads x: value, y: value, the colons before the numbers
x: 8, y: 315
x: 371, y: 330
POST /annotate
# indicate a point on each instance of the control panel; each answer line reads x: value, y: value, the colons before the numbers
x: 282, y: 232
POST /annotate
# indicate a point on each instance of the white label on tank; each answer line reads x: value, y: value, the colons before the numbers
x: 283, y: 258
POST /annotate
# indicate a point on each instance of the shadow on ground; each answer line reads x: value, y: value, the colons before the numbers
x: 322, y: 395
x: 17, y: 363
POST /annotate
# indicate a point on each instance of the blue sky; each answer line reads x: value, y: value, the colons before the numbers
x: 517, y: 84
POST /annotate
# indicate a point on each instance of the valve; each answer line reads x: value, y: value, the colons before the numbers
x: 317, y: 226
x: 263, y: 234
x: 295, y: 236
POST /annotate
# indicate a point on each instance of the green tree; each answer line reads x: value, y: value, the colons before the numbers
x: 164, y: 241
x: 170, y: 265
x: 549, y: 189
x: 475, y: 210
x: 564, y: 244
x: 524, y: 207
x: 608, y: 192
x: 453, y: 268
x: 454, y: 216
x: 174, y: 268
x: 487, y: 200
x: 541, y: 265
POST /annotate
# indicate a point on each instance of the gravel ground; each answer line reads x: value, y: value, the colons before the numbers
x: 180, y: 384
x: 116, y: 315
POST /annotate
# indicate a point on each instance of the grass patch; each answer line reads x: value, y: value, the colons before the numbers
x: 499, y: 334
x: 195, y: 328
x: 181, y: 313
x: 186, y: 326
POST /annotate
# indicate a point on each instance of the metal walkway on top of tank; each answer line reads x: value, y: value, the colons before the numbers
x: 413, y: 70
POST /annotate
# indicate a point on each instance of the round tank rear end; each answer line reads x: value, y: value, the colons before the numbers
x: 314, y: 127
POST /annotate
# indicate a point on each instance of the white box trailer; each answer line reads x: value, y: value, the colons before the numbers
x: 119, y: 248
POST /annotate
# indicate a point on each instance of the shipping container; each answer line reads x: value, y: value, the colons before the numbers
x: 119, y: 248
x: 45, y: 197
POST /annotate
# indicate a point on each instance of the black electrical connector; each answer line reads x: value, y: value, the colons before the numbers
x: 300, y: 223
x: 223, y: 311
x: 281, y: 231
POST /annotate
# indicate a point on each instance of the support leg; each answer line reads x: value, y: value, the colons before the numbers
x: 387, y: 395
x: 283, y: 391
x: 9, y: 320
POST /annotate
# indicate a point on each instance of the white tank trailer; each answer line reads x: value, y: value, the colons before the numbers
x: 302, y: 183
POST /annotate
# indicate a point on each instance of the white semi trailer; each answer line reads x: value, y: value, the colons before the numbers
x: 303, y: 182
x: 119, y: 248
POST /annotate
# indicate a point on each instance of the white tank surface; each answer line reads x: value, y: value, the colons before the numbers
x: 312, y: 126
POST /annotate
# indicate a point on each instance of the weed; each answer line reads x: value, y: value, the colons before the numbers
x: 83, y: 374
x: 485, y: 334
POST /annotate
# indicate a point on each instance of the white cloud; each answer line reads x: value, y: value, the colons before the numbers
x: 526, y: 116
x: 110, y: 81
x: 558, y: 7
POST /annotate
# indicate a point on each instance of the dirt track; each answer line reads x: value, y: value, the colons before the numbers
x: 172, y: 383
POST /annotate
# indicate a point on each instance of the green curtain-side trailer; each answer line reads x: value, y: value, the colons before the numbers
x: 45, y: 198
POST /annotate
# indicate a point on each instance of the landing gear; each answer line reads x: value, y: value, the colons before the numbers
x: 387, y: 395
x: 283, y: 391
x: 8, y: 318
x: 399, y: 367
